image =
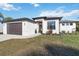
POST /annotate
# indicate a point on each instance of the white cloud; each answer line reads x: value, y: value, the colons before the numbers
x: 35, y: 4
x: 8, y: 7
x: 60, y: 13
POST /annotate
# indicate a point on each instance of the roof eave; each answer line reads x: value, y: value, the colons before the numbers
x: 47, y: 18
x: 21, y: 19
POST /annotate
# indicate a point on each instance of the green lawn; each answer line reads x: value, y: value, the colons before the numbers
x: 64, y: 44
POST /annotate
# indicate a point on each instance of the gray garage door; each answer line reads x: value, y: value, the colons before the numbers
x: 14, y: 28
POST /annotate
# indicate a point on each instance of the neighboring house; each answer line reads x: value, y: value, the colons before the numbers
x: 21, y: 26
x: 67, y: 26
x: 1, y: 28
x: 25, y: 26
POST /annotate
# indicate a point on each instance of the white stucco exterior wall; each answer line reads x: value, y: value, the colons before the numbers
x: 57, y: 27
x: 74, y: 27
x: 4, y: 28
x: 68, y: 28
x: 29, y: 28
x: 44, y: 26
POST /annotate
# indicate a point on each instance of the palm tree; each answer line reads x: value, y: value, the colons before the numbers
x: 1, y: 18
x: 8, y: 18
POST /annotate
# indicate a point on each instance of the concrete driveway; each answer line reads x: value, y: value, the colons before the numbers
x: 8, y: 37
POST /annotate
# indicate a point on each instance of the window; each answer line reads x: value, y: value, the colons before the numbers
x: 67, y: 23
x: 51, y: 24
x: 35, y: 31
x: 63, y: 24
x: 71, y: 23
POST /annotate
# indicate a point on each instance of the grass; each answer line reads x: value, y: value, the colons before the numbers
x: 64, y: 44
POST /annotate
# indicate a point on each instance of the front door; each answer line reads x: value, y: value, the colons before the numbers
x: 40, y: 27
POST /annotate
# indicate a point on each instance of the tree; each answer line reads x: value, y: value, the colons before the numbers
x: 1, y: 18
x: 77, y: 26
x: 8, y: 18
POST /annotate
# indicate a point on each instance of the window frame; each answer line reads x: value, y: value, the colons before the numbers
x: 51, y: 25
x: 67, y: 24
x: 71, y: 24
x: 63, y: 24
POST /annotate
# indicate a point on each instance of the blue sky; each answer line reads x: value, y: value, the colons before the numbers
x: 30, y: 10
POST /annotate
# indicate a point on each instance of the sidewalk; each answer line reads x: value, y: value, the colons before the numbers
x: 7, y: 37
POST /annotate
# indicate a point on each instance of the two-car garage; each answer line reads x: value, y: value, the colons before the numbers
x: 14, y: 28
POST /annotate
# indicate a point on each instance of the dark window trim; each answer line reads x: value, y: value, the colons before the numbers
x: 63, y: 24
x: 71, y: 23
x: 50, y: 26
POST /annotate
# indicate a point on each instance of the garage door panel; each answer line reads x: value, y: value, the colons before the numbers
x: 14, y: 28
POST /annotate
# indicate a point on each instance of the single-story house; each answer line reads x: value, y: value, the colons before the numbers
x: 21, y: 26
x: 67, y: 26
x: 26, y: 26
x: 49, y: 23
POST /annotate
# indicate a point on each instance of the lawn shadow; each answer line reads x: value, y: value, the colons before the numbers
x: 53, y: 50
x: 58, y: 50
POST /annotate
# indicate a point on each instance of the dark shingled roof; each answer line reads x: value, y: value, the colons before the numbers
x: 47, y: 18
x: 20, y: 19
x: 67, y: 21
